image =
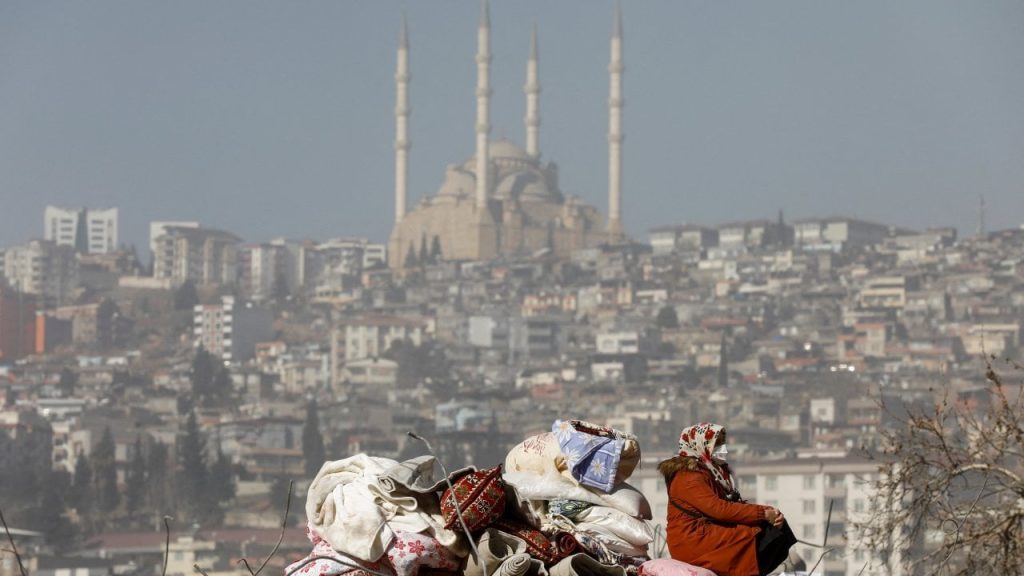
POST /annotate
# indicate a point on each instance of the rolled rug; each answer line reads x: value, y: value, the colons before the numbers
x: 584, y: 565
x: 515, y: 565
x: 496, y: 548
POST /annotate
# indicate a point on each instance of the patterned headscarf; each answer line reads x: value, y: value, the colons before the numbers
x: 698, y: 442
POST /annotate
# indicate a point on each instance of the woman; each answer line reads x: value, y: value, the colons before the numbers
x: 709, y: 525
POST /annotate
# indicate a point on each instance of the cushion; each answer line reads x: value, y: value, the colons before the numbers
x: 670, y: 567
x: 481, y: 497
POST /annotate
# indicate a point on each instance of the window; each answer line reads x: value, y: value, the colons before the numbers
x: 809, y: 531
x: 809, y: 482
x: 836, y: 480
x: 809, y: 507
x: 771, y: 482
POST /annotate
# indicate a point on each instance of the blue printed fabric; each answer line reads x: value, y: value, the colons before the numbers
x: 591, y: 452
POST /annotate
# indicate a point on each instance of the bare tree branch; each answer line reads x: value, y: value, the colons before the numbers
x: 280, y: 539
x: 14, y: 548
x: 167, y: 544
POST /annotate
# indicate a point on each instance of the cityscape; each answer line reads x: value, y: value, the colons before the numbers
x: 165, y: 405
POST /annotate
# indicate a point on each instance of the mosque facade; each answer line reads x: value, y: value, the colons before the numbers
x: 505, y: 200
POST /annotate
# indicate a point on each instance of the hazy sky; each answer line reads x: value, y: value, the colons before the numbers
x: 276, y: 118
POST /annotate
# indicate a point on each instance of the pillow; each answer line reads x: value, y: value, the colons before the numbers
x: 481, y: 497
x: 670, y: 567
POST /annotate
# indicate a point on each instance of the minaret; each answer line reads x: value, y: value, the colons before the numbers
x: 483, y: 114
x: 615, y: 105
x: 532, y: 90
x: 402, y: 112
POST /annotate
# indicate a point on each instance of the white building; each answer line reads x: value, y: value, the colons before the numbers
x: 88, y: 231
x: 43, y: 268
x: 231, y: 329
x: 627, y: 342
x: 204, y: 256
x: 371, y: 335
x: 159, y: 228
x: 803, y: 489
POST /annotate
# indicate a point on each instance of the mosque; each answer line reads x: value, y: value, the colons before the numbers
x: 505, y: 200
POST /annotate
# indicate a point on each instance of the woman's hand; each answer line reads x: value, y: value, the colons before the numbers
x: 774, y: 516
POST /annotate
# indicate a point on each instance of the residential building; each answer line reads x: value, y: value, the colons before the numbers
x: 42, y: 268
x: 231, y: 329
x: 204, y: 256
x: 87, y: 231
x: 371, y: 335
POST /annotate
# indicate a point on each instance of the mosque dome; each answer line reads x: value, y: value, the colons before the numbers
x: 504, y: 149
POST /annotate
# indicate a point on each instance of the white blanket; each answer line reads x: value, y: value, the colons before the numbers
x: 348, y: 508
x: 553, y: 485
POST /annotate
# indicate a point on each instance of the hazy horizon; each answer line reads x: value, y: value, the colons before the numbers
x: 278, y: 117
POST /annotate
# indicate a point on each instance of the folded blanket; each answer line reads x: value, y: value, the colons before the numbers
x: 417, y: 475
x: 615, y: 524
x: 596, y: 456
x: 553, y: 486
x: 347, y: 506
x: 406, y: 556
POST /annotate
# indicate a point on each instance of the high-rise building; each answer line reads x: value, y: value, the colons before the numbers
x: 204, y: 256
x: 42, y: 268
x: 231, y: 329
x: 88, y: 231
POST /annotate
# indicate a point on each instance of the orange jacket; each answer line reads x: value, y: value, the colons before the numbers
x: 713, y: 532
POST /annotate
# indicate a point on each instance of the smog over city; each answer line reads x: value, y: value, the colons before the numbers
x: 516, y: 288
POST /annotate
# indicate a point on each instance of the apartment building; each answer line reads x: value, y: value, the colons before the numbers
x: 42, y: 268
x: 805, y: 489
x: 204, y: 256
x: 231, y: 329
x: 87, y: 231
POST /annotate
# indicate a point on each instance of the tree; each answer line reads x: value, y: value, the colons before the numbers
x: 81, y: 492
x: 135, y: 484
x: 667, y: 318
x: 68, y: 382
x: 222, y: 479
x: 211, y: 381
x: 950, y: 498
x: 192, y: 460
x: 107, y: 495
x: 435, y: 250
x: 313, y: 451
x: 51, y: 514
x: 723, y: 365
x: 186, y: 296
x: 159, y: 478
x: 424, y: 254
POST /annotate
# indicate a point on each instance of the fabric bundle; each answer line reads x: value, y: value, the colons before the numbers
x: 560, y: 507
